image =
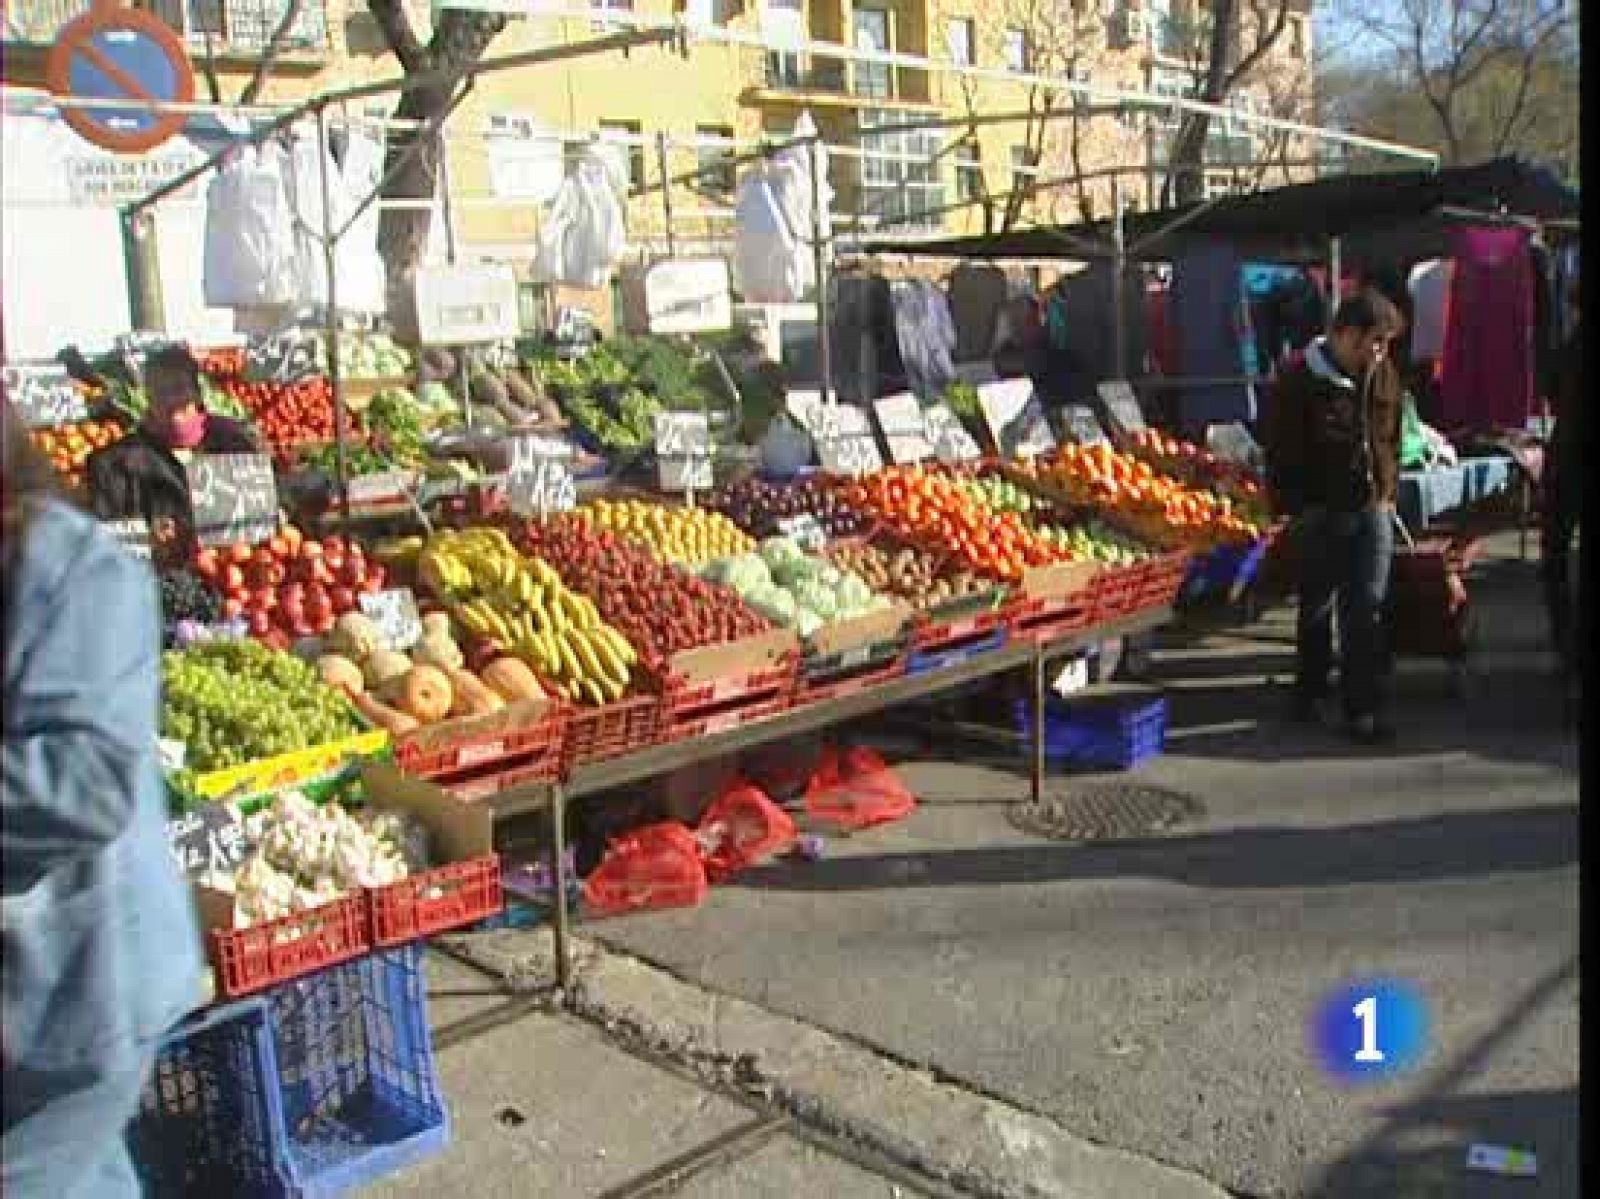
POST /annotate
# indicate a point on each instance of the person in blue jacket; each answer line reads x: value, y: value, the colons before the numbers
x: 97, y: 930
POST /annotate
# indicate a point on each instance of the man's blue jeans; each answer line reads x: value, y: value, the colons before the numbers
x: 1344, y: 564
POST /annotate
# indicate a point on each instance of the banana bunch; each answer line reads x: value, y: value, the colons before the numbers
x: 522, y: 605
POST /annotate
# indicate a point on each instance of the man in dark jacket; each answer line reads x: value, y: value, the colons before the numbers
x: 142, y: 476
x: 1333, y: 461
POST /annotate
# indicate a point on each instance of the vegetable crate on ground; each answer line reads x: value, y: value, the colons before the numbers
x: 597, y: 733
x: 1115, y: 733
x: 319, y: 1087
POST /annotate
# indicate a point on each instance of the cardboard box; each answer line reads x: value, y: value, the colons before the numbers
x: 252, y: 779
x: 870, y: 628
x: 711, y: 664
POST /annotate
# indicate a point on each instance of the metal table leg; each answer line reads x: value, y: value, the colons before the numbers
x: 558, y: 872
x: 1036, y: 781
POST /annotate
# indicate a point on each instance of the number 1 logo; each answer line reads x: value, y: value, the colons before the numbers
x: 1369, y: 1030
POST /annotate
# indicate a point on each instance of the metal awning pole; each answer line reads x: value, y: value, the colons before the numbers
x: 330, y: 244
x: 819, y: 252
x: 666, y: 192
x: 1335, y: 274
x: 1119, y: 266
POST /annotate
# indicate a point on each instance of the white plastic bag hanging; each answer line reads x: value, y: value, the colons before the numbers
x: 250, y: 254
x: 584, y: 235
x: 773, y: 261
x: 360, y: 266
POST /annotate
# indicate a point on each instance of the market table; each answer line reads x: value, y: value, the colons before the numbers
x: 601, y: 776
x: 1428, y: 494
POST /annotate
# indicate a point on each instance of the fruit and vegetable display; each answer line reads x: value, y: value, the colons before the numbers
x: 396, y: 431
x: 1198, y: 467
x: 686, y: 536
x: 1095, y: 541
x: 1145, y: 498
x: 659, y: 608
x: 402, y: 692
x: 288, y: 414
x: 302, y: 855
x: 235, y: 701
x: 795, y: 589
x: 757, y: 506
x: 615, y: 389
x: 68, y: 446
x: 998, y: 493
x: 908, y: 573
x: 186, y: 600
x: 372, y: 356
x: 932, y: 510
x: 290, y: 586
x: 522, y: 608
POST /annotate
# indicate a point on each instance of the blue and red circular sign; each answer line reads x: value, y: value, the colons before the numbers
x: 111, y: 54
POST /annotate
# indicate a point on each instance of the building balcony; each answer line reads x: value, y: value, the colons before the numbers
x: 237, y: 30
x: 801, y: 80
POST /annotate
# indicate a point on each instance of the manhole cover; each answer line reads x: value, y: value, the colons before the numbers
x: 1103, y: 812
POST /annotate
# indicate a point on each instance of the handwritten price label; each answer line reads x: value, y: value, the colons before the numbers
x: 233, y: 498
x: 44, y: 394
x: 540, y: 479
x: 684, y: 457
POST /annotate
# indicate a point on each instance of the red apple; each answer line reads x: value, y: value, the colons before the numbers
x: 376, y: 574
x: 276, y: 573
x: 232, y: 580
x: 260, y: 622
x: 278, y: 640
x: 263, y: 599
x: 232, y: 607
x: 344, y: 599
x: 205, y: 563
x: 311, y: 551
x: 323, y: 623
x: 352, y: 572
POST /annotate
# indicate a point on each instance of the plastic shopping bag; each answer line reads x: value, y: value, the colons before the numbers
x: 654, y: 867
x: 742, y: 828
x: 856, y: 789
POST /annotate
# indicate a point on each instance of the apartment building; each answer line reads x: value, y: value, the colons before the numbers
x: 952, y: 178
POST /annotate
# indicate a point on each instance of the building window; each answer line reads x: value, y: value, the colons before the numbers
x: 969, y: 173
x: 961, y: 38
x: 900, y: 191
x: 628, y: 133
x: 617, y: 6
x: 717, y: 173
x: 1016, y: 50
x: 1297, y: 36
x: 241, y: 24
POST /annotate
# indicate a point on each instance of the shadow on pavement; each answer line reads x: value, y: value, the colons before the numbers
x: 1404, y: 851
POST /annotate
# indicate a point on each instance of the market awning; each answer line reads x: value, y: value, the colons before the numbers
x: 1286, y: 224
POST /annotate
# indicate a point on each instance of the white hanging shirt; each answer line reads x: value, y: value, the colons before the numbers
x: 1430, y: 284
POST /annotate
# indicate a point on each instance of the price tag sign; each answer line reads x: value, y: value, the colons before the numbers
x: 1016, y: 419
x: 683, y: 451
x: 688, y: 296
x: 134, y: 534
x: 1082, y: 425
x: 44, y: 394
x: 905, y: 429
x: 845, y: 443
x: 233, y: 497
x: 1122, y: 405
x: 211, y: 837
x: 804, y: 530
x: 540, y: 479
x: 466, y: 305
x: 951, y: 441
x: 395, y: 613
x: 1074, y: 676
x: 283, y: 358
x: 383, y: 486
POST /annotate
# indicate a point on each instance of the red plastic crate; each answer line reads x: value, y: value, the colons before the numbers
x: 431, y: 901
x: 931, y: 636
x: 478, y: 749
x: 1163, y: 579
x: 1041, y: 620
x: 680, y: 700
x: 1115, y: 593
x: 719, y: 719
x: 594, y: 734
x: 251, y: 959
x: 474, y: 785
x: 837, y: 686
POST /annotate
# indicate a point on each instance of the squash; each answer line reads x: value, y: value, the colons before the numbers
x: 472, y: 698
x: 340, y: 673
x: 424, y: 692
x: 355, y: 636
x: 437, y: 624
x: 381, y: 714
x: 434, y: 650
x: 383, y: 667
x: 512, y: 680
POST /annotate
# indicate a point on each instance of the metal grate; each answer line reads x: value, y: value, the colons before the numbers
x: 1104, y: 811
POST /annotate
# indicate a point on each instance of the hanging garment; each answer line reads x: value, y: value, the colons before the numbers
x: 1488, y: 375
x: 1545, y: 307
x: 362, y: 277
x: 1215, y: 339
x: 977, y: 294
x: 584, y: 234
x: 1163, y: 337
x: 866, y: 350
x: 771, y: 261
x: 250, y: 256
x: 1082, y: 326
x: 926, y: 335
x: 1429, y: 284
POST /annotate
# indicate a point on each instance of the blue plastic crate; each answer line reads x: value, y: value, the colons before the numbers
x: 210, y: 1116
x: 1107, y: 734
x: 360, y: 1095
x: 922, y: 661
x: 1223, y: 569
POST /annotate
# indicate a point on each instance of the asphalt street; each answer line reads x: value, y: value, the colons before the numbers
x: 1153, y: 994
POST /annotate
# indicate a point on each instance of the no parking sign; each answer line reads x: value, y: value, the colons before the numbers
x: 112, y: 53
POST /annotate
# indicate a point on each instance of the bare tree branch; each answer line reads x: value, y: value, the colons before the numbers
x: 398, y: 35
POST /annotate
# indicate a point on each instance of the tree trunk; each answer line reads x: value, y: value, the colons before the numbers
x: 1187, y: 182
x: 459, y: 41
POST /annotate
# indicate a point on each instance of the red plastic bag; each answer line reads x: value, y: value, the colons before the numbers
x: 741, y: 829
x: 857, y: 790
x: 657, y: 866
